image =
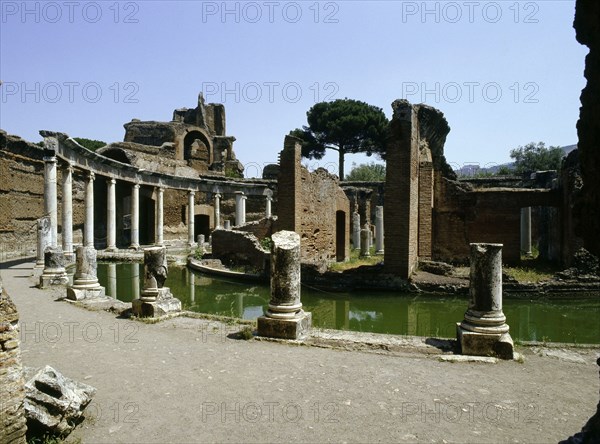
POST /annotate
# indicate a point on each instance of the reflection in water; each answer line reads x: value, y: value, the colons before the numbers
x: 562, y: 320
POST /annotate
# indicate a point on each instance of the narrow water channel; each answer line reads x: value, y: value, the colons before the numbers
x: 573, y: 320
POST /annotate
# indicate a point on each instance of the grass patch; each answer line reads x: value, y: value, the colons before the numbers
x: 356, y: 261
x: 531, y: 272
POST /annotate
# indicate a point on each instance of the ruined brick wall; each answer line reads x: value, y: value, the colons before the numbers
x: 238, y: 247
x: 401, y: 214
x: 463, y: 215
x: 12, y: 386
x: 587, y: 27
x: 308, y: 204
x: 289, y: 186
x: 425, y: 204
x: 22, y: 194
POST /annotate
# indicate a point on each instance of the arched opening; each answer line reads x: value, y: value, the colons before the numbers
x: 196, y: 150
x: 340, y: 236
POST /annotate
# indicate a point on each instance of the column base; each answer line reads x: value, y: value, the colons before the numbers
x: 134, y: 247
x: 111, y: 249
x: 473, y: 343
x: 297, y: 328
x: 50, y: 278
x: 162, y: 305
x: 77, y: 294
x: 379, y: 252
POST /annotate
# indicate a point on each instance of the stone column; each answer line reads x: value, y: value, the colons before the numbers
x: 135, y: 217
x: 67, y: 211
x: 191, y: 214
x: 285, y: 317
x: 484, y: 331
x: 159, y: 217
x: 54, y: 268
x: 85, y: 281
x: 111, y: 215
x: 355, y: 231
x: 227, y: 225
x: 526, y: 231
x: 217, y: 210
x: 88, y: 232
x: 269, y: 200
x: 379, y: 230
x: 44, y: 239
x: 240, y: 208
x: 111, y: 281
x: 364, y: 241
x: 192, y: 285
x: 50, y: 199
x: 156, y: 299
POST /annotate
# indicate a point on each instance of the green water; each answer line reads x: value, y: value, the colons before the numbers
x: 565, y: 320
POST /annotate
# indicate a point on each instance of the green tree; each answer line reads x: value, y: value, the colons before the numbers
x: 346, y: 126
x: 368, y: 172
x: 90, y: 144
x: 536, y: 157
x: 505, y: 170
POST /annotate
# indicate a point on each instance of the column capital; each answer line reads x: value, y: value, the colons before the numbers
x: 50, y: 159
x: 112, y: 180
x: 136, y: 186
x: 192, y: 192
x: 69, y: 168
x: 217, y: 196
x: 91, y: 175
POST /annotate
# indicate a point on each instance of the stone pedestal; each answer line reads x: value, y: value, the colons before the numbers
x: 54, y: 268
x: 85, y: 281
x: 285, y: 318
x: 156, y: 300
x: 484, y: 331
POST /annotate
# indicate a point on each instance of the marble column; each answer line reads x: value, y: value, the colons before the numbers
x: 88, y: 232
x: 484, y: 331
x: 240, y: 208
x: 356, y: 231
x: 379, y: 230
x: 217, y: 210
x: 67, y: 211
x: 364, y: 241
x: 191, y: 215
x: 285, y: 318
x: 269, y: 199
x: 159, y: 217
x: 135, y: 216
x: 526, y: 231
x: 50, y: 198
x: 111, y: 215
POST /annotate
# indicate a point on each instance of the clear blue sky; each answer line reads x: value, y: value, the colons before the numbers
x: 503, y: 73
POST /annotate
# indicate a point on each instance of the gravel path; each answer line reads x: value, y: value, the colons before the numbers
x: 184, y: 380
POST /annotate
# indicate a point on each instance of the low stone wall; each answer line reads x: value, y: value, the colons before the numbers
x: 12, y: 385
x: 260, y: 228
x: 240, y: 248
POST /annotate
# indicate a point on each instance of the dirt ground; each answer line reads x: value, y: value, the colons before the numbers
x: 185, y: 380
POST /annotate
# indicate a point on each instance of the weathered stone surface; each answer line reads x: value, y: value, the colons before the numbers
x: 584, y: 266
x: 155, y: 268
x: 270, y: 171
x: 364, y: 241
x: 439, y: 268
x: 54, y: 402
x: 164, y: 304
x: 484, y: 331
x: 356, y: 231
x: 239, y: 247
x: 12, y: 386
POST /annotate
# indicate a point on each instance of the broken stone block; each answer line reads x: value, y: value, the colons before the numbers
x: 54, y: 272
x: 55, y: 403
x: 285, y: 318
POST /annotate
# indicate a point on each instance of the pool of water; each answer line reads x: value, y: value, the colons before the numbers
x: 564, y: 320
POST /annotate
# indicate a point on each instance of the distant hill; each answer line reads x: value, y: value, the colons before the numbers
x: 475, y: 169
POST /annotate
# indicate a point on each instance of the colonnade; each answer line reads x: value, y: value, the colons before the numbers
x: 51, y: 209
